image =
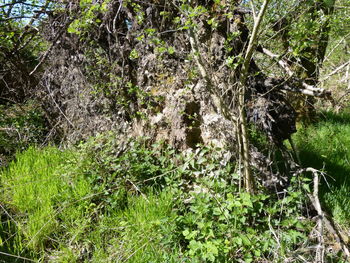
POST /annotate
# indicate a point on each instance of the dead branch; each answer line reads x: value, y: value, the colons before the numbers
x: 323, y: 219
x: 303, y: 87
x: 336, y: 70
x: 317, y: 205
x: 58, y: 107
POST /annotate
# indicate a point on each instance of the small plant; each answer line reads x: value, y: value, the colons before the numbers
x: 221, y: 226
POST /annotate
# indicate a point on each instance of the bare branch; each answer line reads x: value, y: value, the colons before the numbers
x: 242, y: 119
x: 303, y: 87
x: 14, y: 18
x: 336, y: 71
x: 328, y: 223
x: 20, y: 2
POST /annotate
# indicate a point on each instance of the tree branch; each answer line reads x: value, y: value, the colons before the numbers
x: 322, y: 216
x: 301, y: 86
x: 336, y: 71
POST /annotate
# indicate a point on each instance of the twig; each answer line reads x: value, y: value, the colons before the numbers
x: 137, y: 189
x: 273, y: 232
x: 18, y: 257
x: 8, y: 214
x: 307, y: 89
x: 116, y: 16
x: 132, y: 254
x: 59, y: 108
x: 340, y: 41
x: 54, y: 43
x: 43, y: 58
x: 336, y: 70
x: 205, y: 75
x: 322, y: 216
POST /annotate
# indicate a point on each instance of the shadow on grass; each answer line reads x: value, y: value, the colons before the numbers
x: 334, y: 118
x: 338, y: 175
x: 326, y: 146
x: 333, y: 143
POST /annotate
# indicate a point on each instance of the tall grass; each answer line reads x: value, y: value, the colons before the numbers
x: 33, y: 190
x: 141, y: 233
x: 326, y: 145
x: 52, y: 212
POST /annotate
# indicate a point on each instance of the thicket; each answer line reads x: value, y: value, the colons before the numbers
x: 145, y: 203
x: 212, y: 179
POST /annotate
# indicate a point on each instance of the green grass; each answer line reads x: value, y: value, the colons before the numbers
x: 326, y: 145
x: 31, y: 189
x: 54, y: 214
x: 147, y: 204
x: 141, y: 233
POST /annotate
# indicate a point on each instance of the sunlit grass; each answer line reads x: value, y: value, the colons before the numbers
x: 51, y: 212
x: 326, y: 145
x: 30, y: 186
x: 60, y: 207
x: 35, y: 193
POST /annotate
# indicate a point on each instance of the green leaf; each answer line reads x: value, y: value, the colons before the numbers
x: 307, y: 188
x: 245, y: 240
x: 186, y: 232
x: 246, y: 201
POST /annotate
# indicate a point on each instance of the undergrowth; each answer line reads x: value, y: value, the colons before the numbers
x: 109, y: 200
x: 21, y: 125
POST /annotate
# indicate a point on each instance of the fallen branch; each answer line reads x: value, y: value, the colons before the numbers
x: 303, y: 87
x: 323, y: 219
x: 320, y: 215
x: 336, y: 71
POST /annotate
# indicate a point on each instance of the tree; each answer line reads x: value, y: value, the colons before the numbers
x: 303, y: 32
x: 20, y: 45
